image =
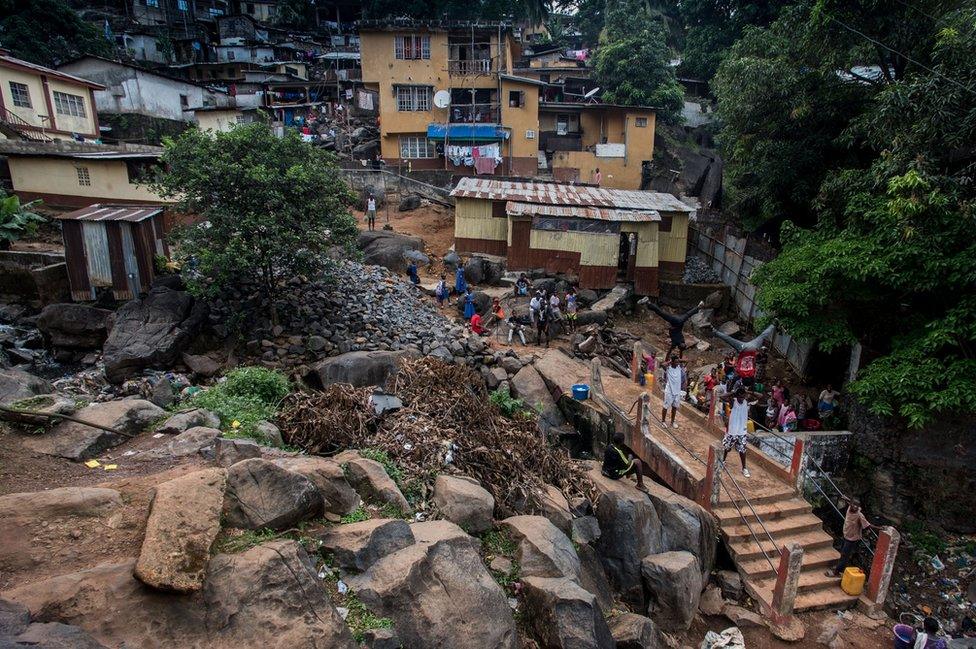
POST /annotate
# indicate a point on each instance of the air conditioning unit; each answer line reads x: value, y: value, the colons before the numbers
x: 530, y: 135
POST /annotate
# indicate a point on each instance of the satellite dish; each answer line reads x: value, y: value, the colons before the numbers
x: 442, y: 98
x: 590, y: 94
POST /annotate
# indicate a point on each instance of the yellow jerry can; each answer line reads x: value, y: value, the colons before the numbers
x: 852, y: 582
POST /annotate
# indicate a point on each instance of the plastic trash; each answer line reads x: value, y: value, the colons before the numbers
x: 341, y: 587
x: 937, y: 563
x: 730, y: 638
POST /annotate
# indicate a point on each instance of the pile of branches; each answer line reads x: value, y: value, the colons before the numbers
x: 447, y: 425
x: 614, y: 347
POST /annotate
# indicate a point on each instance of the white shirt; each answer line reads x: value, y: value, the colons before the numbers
x: 738, y: 417
x: 672, y: 378
x: 371, y: 205
x: 534, y: 304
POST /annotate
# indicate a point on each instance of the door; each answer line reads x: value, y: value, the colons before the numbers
x: 518, y: 252
x: 96, y: 253
x: 627, y: 256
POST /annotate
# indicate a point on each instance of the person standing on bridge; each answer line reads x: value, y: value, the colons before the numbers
x: 735, y: 435
x: 674, y: 385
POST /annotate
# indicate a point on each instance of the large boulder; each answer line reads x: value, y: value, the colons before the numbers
x: 51, y: 635
x: 371, y: 482
x: 151, y: 332
x: 77, y: 442
x: 438, y: 592
x: 87, y: 502
x: 685, y: 525
x: 262, y: 494
x: 593, y: 578
x: 528, y: 385
x: 551, y: 503
x: 357, y: 546
x: 356, y: 368
x: 632, y: 631
x: 465, y: 502
x: 183, y: 421
x: 16, y: 385
x: 561, y: 615
x: 228, y: 452
x: 189, y: 442
x: 543, y: 550
x: 268, y: 596
x: 74, y: 326
x: 630, y: 529
x: 385, y: 248
x: 328, y: 477
x: 183, y: 523
x: 674, y: 584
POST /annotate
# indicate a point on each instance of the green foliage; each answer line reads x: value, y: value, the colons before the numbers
x: 360, y: 619
x: 16, y: 218
x: 48, y: 32
x: 496, y: 542
x: 891, y: 263
x: 506, y: 402
x: 632, y: 61
x: 272, y: 208
x: 925, y: 540
x: 381, y: 456
x: 247, y: 396
x: 247, y: 539
x: 358, y: 515
x: 32, y: 403
x: 507, y: 580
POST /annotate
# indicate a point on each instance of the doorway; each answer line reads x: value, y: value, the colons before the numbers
x: 627, y: 256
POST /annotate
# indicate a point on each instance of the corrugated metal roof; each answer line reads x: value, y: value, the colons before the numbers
x: 99, y: 212
x: 581, y: 212
x: 10, y: 62
x: 564, y: 194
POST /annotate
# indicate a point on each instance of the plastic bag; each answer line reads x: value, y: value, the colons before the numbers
x: 731, y: 638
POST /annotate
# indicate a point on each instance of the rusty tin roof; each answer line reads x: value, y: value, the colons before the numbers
x: 581, y: 212
x: 568, y: 195
x: 100, y: 212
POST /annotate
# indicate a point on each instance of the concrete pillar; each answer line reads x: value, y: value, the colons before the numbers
x: 645, y: 416
x: 635, y: 362
x: 797, y: 462
x: 712, y: 484
x: 787, y: 580
x: 881, y: 568
x: 596, y: 378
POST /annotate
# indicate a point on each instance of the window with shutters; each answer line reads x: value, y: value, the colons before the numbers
x: 84, y: 178
x: 21, y: 94
x: 66, y: 104
x: 416, y: 146
x: 411, y: 46
x: 412, y: 98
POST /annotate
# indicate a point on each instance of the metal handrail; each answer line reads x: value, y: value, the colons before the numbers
x: 738, y: 510
x: 18, y: 123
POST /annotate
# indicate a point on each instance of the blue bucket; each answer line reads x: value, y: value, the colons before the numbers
x: 904, y: 636
x: 581, y: 392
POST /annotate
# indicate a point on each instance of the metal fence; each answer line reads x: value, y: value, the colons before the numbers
x: 726, y: 254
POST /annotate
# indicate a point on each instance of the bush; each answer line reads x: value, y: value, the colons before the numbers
x: 247, y: 396
x: 267, y: 386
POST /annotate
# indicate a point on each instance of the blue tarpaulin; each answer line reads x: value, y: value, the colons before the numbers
x: 467, y: 132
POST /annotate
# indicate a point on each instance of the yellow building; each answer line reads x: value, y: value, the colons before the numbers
x: 43, y: 104
x: 68, y: 174
x: 470, y: 65
x: 216, y: 118
x: 602, y: 236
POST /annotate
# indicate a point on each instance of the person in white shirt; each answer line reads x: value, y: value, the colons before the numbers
x: 674, y: 385
x: 554, y: 306
x: 735, y: 436
x: 371, y: 212
x: 534, y: 304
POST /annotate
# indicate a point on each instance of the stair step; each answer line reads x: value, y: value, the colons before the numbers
x: 819, y: 559
x: 747, y: 548
x: 824, y: 599
x: 810, y: 582
x: 727, y: 514
x: 774, y: 496
x: 775, y: 527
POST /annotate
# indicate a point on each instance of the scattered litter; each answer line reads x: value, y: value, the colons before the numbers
x: 111, y: 467
x: 731, y: 638
x: 341, y: 587
x: 92, y: 464
x: 342, y: 611
x: 937, y: 563
x: 158, y: 435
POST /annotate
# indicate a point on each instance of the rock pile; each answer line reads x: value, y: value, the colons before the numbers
x: 699, y: 272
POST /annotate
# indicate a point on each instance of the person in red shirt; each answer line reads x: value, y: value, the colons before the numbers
x: 476, y: 325
x: 710, y: 381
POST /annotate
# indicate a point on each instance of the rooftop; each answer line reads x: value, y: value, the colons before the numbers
x: 105, y: 212
x: 8, y: 61
x: 581, y: 212
x: 562, y: 194
x: 401, y: 23
x: 79, y: 150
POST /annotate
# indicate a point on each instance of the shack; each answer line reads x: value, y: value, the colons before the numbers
x: 602, y: 236
x: 112, y: 247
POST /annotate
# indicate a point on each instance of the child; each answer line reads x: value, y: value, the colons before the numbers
x: 460, y: 284
x: 571, y: 309
x: 441, y: 291
x: 468, y: 304
x: 522, y: 285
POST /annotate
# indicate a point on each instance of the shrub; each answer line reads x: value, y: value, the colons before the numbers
x: 248, y: 395
x: 267, y: 386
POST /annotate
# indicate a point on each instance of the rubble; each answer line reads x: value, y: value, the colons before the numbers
x: 697, y: 271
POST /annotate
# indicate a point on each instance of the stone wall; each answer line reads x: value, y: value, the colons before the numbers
x: 32, y: 278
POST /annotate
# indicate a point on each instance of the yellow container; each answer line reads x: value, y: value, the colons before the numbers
x: 649, y: 380
x: 852, y: 582
x: 750, y: 426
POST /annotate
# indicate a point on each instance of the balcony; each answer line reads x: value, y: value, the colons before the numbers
x: 554, y: 141
x: 469, y: 66
x: 475, y: 113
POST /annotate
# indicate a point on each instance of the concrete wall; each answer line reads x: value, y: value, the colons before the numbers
x: 134, y: 91
x: 40, y: 102
x: 56, y: 181
x: 520, y: 151
x: 33, y: 279
x: 218, y: 120
x: 616, y: 126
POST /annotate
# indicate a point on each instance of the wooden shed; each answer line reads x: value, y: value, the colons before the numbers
x: 112, y: 247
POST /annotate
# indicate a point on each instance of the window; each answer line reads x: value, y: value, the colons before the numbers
x: 516, y: 98
x: 640, y: 122
x: 416, y: 146
x: 184, y: 101
x: 230, y: 55
x: 65, y: 104
x: 84, y: 178
x: 139, y: 171
x: 412, y: 46
x: 413, y: 97
x: 21, y: 94
x: 181, y: 5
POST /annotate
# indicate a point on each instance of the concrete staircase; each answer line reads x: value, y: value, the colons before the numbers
x: 788, y: 518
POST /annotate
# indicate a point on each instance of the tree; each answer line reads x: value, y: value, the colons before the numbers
x: 632, y: 63
x: 271, y: 208
x: 891, y: 262
x: 16, y: 219
x: 48, y: 32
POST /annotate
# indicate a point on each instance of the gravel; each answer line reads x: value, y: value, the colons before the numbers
x: 699, y: 272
